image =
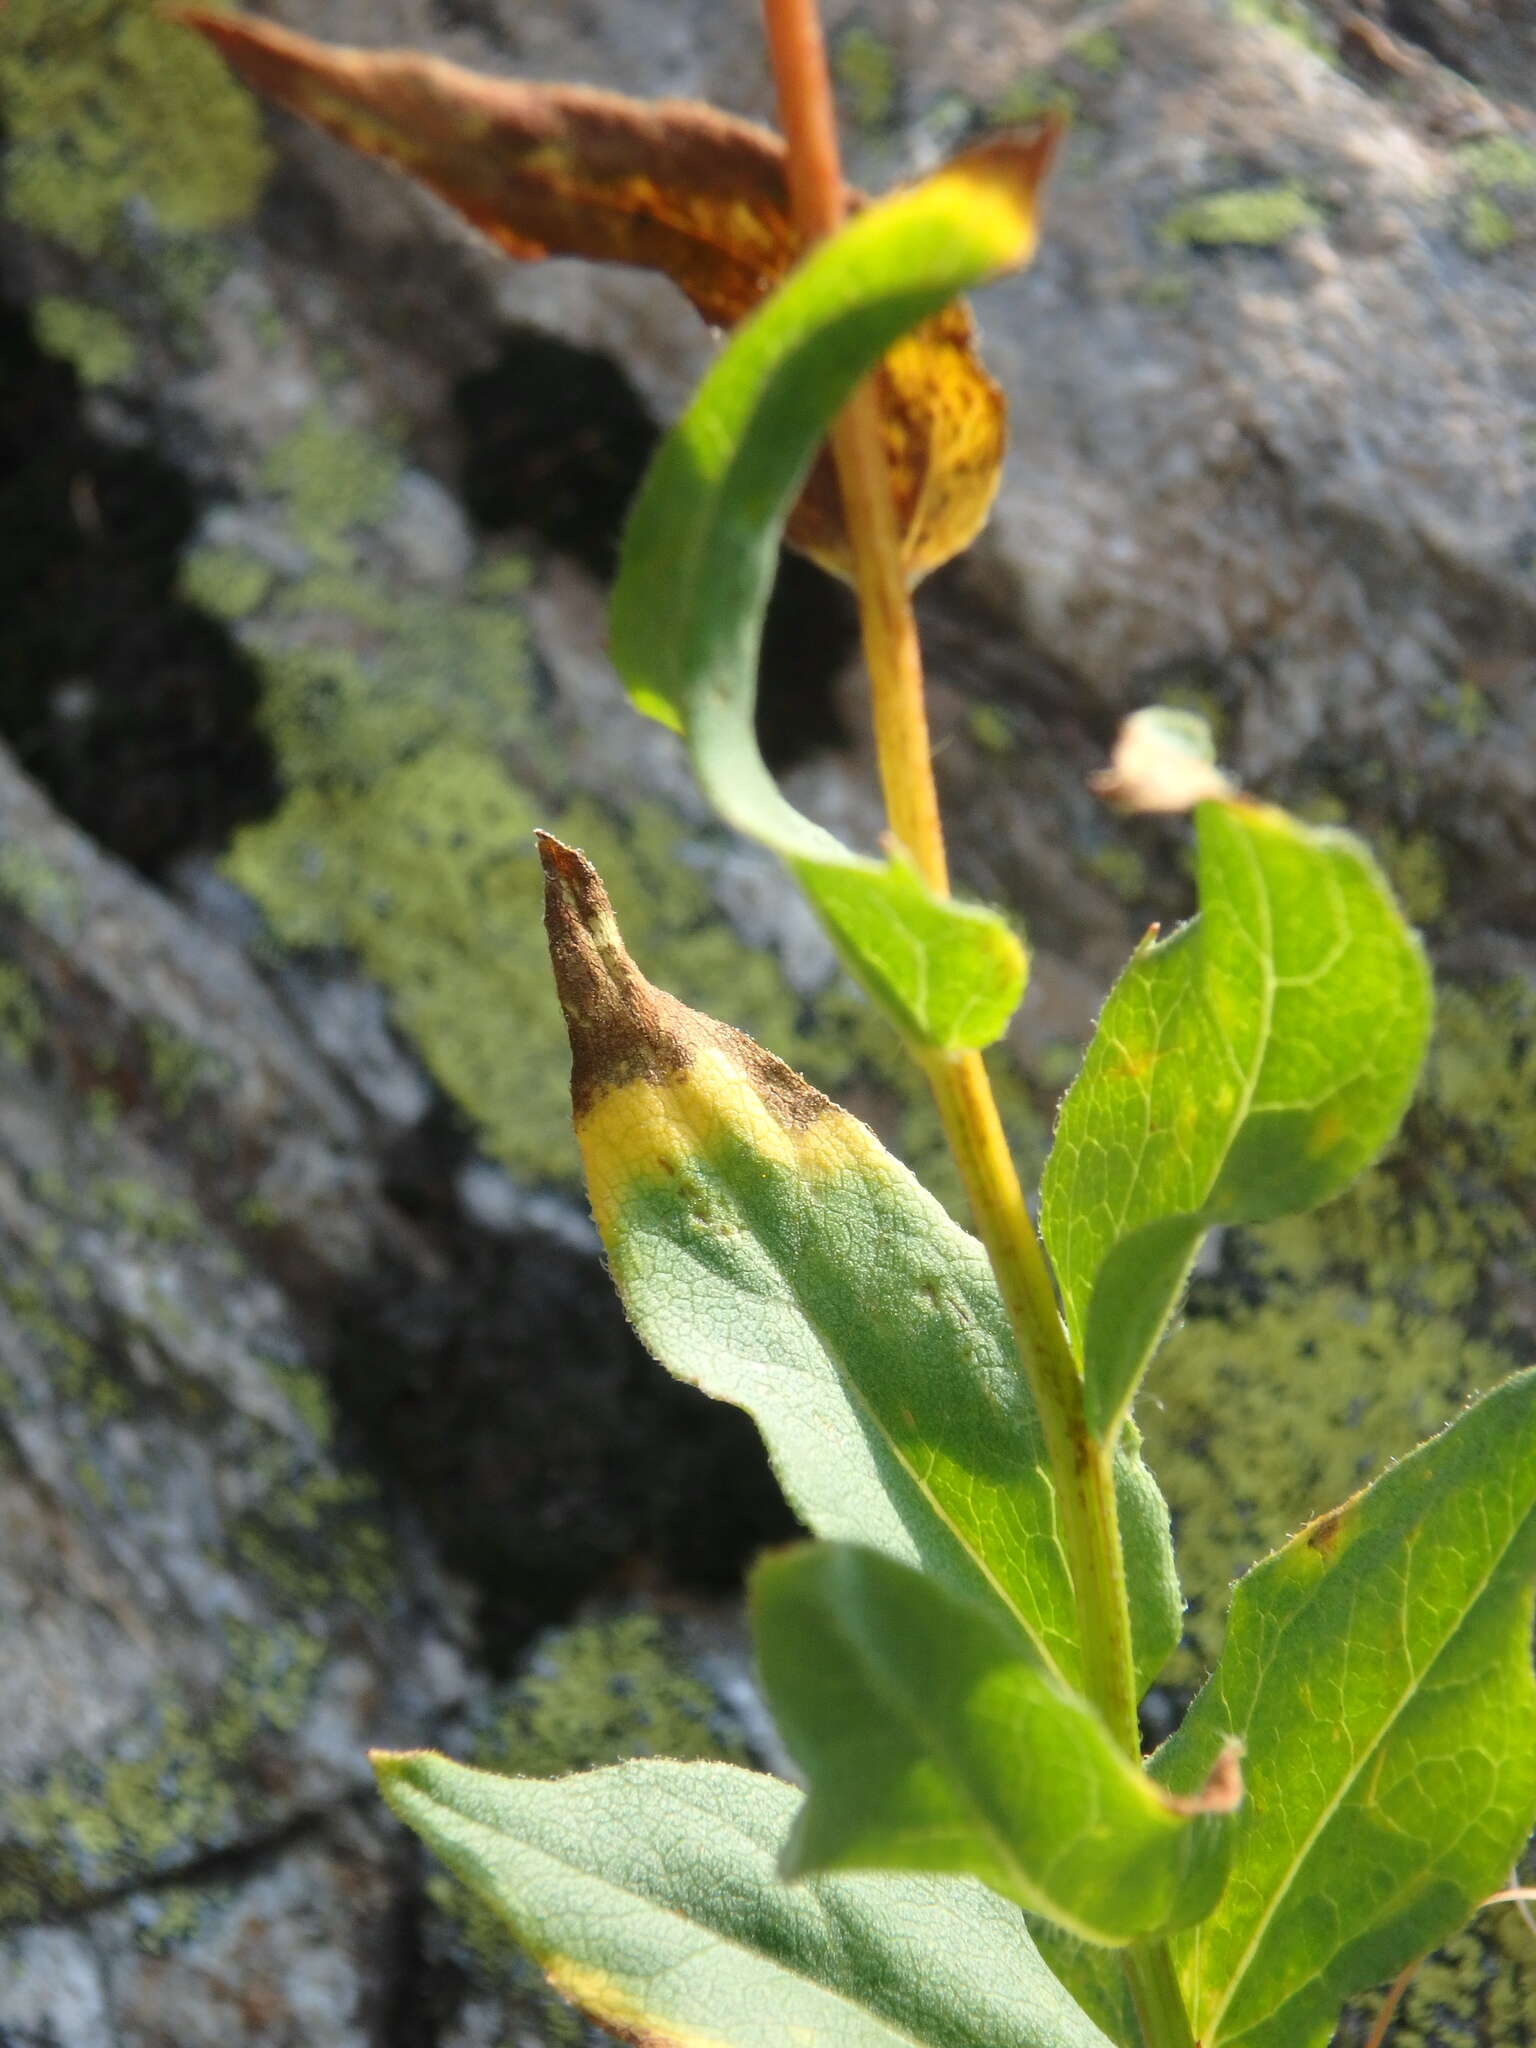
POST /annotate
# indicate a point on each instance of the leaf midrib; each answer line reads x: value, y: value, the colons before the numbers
x: 1282, y: 1891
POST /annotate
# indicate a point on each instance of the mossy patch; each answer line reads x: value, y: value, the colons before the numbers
x: 22, y: 1028
x: 95, y: 341
x: 1480, y: 1988
x: 864, y: 68
x: 46, y: 895
x: 179, y: 1069
x: 1332, y: 1343
x: 1485, y: 228
x: 1247, y: 217
x: 1494, y: 169
x: 228, y: 583
x: 1495, y: 162
x: 990, y: 729
x: 1292, y: 18
x: 1416, y: 868
x: 108, y: 107
x: 169, y: 1789
x: 317, y: 1537
x: 1032, y: 94
x: 332, y: 479
x: 1099, y: 50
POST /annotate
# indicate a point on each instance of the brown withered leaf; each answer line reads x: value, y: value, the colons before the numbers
x: 668, y: 185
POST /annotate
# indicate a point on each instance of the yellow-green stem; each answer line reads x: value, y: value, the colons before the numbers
x: 1083, y: 1469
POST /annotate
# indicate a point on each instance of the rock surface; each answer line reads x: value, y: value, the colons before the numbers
x: 313, y: 1403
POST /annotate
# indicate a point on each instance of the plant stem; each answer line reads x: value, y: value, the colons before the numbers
x: 1083, y: 1472
x: 1082, y: 1468
x: 891, y: 651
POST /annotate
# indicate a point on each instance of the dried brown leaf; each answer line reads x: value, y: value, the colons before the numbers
x: 668, y: 185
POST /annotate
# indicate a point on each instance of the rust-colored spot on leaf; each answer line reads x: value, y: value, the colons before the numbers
x: 1323, y: 1534
x: 668, y: 185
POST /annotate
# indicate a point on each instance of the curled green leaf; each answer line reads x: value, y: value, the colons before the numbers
x: 702, y: 542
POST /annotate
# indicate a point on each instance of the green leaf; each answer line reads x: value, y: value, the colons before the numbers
x: 1245, y: 1068
x: 1379, y: 1671
x: 769, y: 1250
x: 649, y: 1895
x: 934, y: 1740
x: 1093, y: 1976
x: 701, y: 549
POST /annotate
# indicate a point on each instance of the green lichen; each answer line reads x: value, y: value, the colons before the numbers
x: 1293, y: 18
x: 43, y: 893
x: 316, y: 1537
x: 103, y: 1113
x: 95, y: 341
x: 1494, y: 167
x: 1484, y: 228
x: 138, y: 1209
x: 1033, y: 94
x: 1121, y: 868
x: 1249, y: 217
x: 990, y: 729
x: 1165, y: 291
x: 229, y: 583
x: 1335, y: 1342
x: 169, y: 1918
x: 169, y: 1788
x: 22, y: 1027
x: 108, y: 105
x: 333, y: 479
x: 179, y: 1070
x: 1479, y: 1989
x: 1099, y: 50
x: 1416, y: 868
x: 1496, y: 162
x: 40, y: 1300
x: 1463, y: 709
x: 602, y: 1692
x: 864, y: 67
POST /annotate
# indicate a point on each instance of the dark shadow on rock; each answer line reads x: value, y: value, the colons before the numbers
x: 547, y: 1455
x: 136, y: 711
x: 557, y: 440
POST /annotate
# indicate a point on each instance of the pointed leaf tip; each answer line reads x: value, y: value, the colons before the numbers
x: 1018, y: 160
x: 613, y: 1017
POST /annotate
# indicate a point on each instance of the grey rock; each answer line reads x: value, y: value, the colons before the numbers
x: 297, y: 1945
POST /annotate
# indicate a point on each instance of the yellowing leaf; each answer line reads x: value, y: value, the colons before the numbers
x: 771, y: 1252
x: 668, y: 185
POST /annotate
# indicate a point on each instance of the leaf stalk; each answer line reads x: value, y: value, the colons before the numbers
x: 1082, y: 1467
